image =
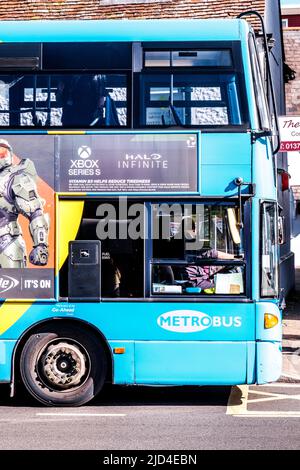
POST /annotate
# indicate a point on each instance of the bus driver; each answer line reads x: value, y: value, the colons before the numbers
x: 18, y: 195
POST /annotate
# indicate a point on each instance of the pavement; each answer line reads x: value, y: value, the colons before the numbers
x: 291, y: 336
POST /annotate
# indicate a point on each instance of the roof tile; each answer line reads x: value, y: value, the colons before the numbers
x: 91, y: 9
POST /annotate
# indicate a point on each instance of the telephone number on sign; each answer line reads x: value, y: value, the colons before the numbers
x: 288, y: 146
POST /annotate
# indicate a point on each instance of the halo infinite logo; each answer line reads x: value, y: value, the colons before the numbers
x: 143, y: 160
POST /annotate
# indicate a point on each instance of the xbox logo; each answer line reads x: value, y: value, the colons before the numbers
x: 84, y: 151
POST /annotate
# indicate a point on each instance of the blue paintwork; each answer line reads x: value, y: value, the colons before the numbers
x: 270, y: 334
x: 134, y: 326
x: 123, y: 30
x: 251, y: 362
x: 6, y: 352
x: 269, y: 361
x: 224, y: 157
x: 138, y: 320
x: 123, y: 371
x: 190, y: 363
x: 184, y: 362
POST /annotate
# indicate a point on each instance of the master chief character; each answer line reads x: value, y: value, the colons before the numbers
x: 18, y: 195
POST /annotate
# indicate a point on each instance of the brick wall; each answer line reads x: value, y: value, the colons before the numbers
x: 292, y: 53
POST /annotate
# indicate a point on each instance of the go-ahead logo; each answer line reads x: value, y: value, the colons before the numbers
x: 190, y: 321
x: 7, y: 283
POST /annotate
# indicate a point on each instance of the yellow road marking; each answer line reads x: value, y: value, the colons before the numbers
x: 237, y: 402
x: 267, y: 396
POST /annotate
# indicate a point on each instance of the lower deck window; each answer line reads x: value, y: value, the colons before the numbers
x: 198, y: 249
x: 183, y: 249
x: 197, y: 279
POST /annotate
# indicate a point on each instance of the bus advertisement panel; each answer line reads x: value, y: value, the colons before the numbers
x: 98, y: 163
x: 27, y: 217
x: 126, y: 163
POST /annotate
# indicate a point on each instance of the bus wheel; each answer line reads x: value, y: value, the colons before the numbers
x: 63, y: 365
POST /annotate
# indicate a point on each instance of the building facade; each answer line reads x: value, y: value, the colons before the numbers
x: 291, y: 34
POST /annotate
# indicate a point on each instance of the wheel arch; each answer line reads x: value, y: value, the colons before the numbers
x: 15, y: 373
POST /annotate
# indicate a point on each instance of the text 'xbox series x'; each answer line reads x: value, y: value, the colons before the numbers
x: 85, y: 270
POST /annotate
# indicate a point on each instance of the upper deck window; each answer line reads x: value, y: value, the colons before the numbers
x: 189, y: 100
x: 260, y: 92
x: 68, y: 100
x: 203, y: 58
x: 191, y: 87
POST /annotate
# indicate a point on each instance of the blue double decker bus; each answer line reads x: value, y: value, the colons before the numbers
x: 139, y: 225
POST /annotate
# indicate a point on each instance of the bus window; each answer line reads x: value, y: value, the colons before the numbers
x: 68, y: 100
x: 122, y: 257
x: 197, y: 249
x: 261, y: 102
x: 189, y: 99
x: 192, y: 58
x: 191, y: 279
x: 269, y: 250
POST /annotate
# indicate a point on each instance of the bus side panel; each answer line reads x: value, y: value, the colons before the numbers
x: 269, y: 356
x: 224, y: 157
x: 251, y: 362
x: 123, y: 364
x: 146, y: 321
x: 269, y: 361
x: 268, y: 334
x: 6, y: 352
x: 190, y: 363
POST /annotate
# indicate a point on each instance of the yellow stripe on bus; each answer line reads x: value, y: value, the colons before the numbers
x: 66, y: 132
x: 10, y: 313
x: 69, y: 214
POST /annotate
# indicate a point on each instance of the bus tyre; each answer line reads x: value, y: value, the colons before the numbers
x: 63, y: 365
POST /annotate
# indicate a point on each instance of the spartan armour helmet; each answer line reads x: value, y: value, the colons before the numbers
x: 6, y: 154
